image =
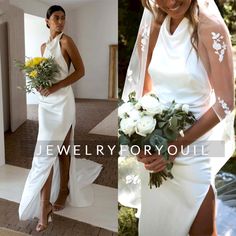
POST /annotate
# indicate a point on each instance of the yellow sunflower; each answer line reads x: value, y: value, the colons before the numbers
x: 35, y: 61
x: 33, y: 74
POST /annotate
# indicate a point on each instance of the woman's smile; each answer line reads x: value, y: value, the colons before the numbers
x: 175, y: 7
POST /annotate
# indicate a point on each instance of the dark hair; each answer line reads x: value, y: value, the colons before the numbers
x: 52, y: 9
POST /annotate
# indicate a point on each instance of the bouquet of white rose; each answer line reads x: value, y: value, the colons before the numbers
x: 147, y: 122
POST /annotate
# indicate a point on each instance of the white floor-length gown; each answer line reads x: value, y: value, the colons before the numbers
x: 178, y: 74
x: 56, y: 114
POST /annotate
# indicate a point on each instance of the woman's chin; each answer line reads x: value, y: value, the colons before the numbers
x: 59, y: 29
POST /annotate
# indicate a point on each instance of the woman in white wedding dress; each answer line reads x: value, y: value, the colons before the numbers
x: 55, y: 175
x: 183, y: 53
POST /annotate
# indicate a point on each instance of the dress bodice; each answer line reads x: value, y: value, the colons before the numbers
x: 53, y: 49
x: 177, y: 72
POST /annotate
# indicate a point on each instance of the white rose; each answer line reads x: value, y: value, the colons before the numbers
x: 137, y: 105
x: 177, y: 106
x: 124, y: 109
x: 145, y: 125
x: 127, y: 126
x: 185, y: 108
x: 151, y: 105
x: 135, y: 115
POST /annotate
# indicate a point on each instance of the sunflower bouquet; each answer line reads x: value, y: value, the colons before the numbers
x: 40, y: 72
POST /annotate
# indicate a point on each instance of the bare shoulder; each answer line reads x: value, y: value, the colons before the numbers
x: 211, y: 23
x: 67, y: 41
x: 210, y: 28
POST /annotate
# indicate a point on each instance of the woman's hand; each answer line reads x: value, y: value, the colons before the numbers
x: 154, y: 163
x: 47, y: 91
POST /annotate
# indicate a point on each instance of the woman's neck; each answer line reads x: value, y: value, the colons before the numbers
x: 174, y: 22
x: 54, y: 34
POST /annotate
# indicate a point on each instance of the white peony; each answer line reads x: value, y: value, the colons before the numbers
x: 145, y: 125
x: 185, y: 108
x: 127, y: 126
x: 135, y: 115
x: 124, y: 109
x: 151, y: 105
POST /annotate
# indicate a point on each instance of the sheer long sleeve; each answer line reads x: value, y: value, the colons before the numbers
x: 216, y: 40
x: 137, y: 67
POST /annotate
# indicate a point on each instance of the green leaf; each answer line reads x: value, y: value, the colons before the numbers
x: 173, y: 123
x: 155, y: 139
x: 161, y: 124
x: 169, y: 134
x: 123, y: 139
x: 132, y: 96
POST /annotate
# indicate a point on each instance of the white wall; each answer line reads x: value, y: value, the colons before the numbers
x: 34, y: 30
x: 94, y: 26
x: 32, y: 7
x: 36, y: 33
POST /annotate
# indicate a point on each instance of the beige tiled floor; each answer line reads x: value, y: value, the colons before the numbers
x: 12, y: 181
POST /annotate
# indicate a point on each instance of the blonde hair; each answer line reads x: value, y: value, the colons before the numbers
x: 192, y: 14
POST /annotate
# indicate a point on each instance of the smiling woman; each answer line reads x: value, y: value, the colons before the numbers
x: 182, y: 53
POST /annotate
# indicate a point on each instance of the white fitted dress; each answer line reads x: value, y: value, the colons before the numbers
x: 177, y: 73
x: 56, y: 114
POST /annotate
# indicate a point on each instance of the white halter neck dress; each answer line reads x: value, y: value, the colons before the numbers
x: 56, y: 114
x: 178, y: 74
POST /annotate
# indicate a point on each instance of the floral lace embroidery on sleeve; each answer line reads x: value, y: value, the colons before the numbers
x: 224, y: 106
x: 218, y: 45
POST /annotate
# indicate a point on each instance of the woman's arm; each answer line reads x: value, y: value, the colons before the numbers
x: 216, y: 42
x: 76, y: 60
x: 205, y: 123
x: 154, y: 32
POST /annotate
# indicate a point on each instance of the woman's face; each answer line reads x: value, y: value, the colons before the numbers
x: 174, y: 8
x: 56, y: 22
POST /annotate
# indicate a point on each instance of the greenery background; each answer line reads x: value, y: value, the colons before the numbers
x: 130, y: 13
